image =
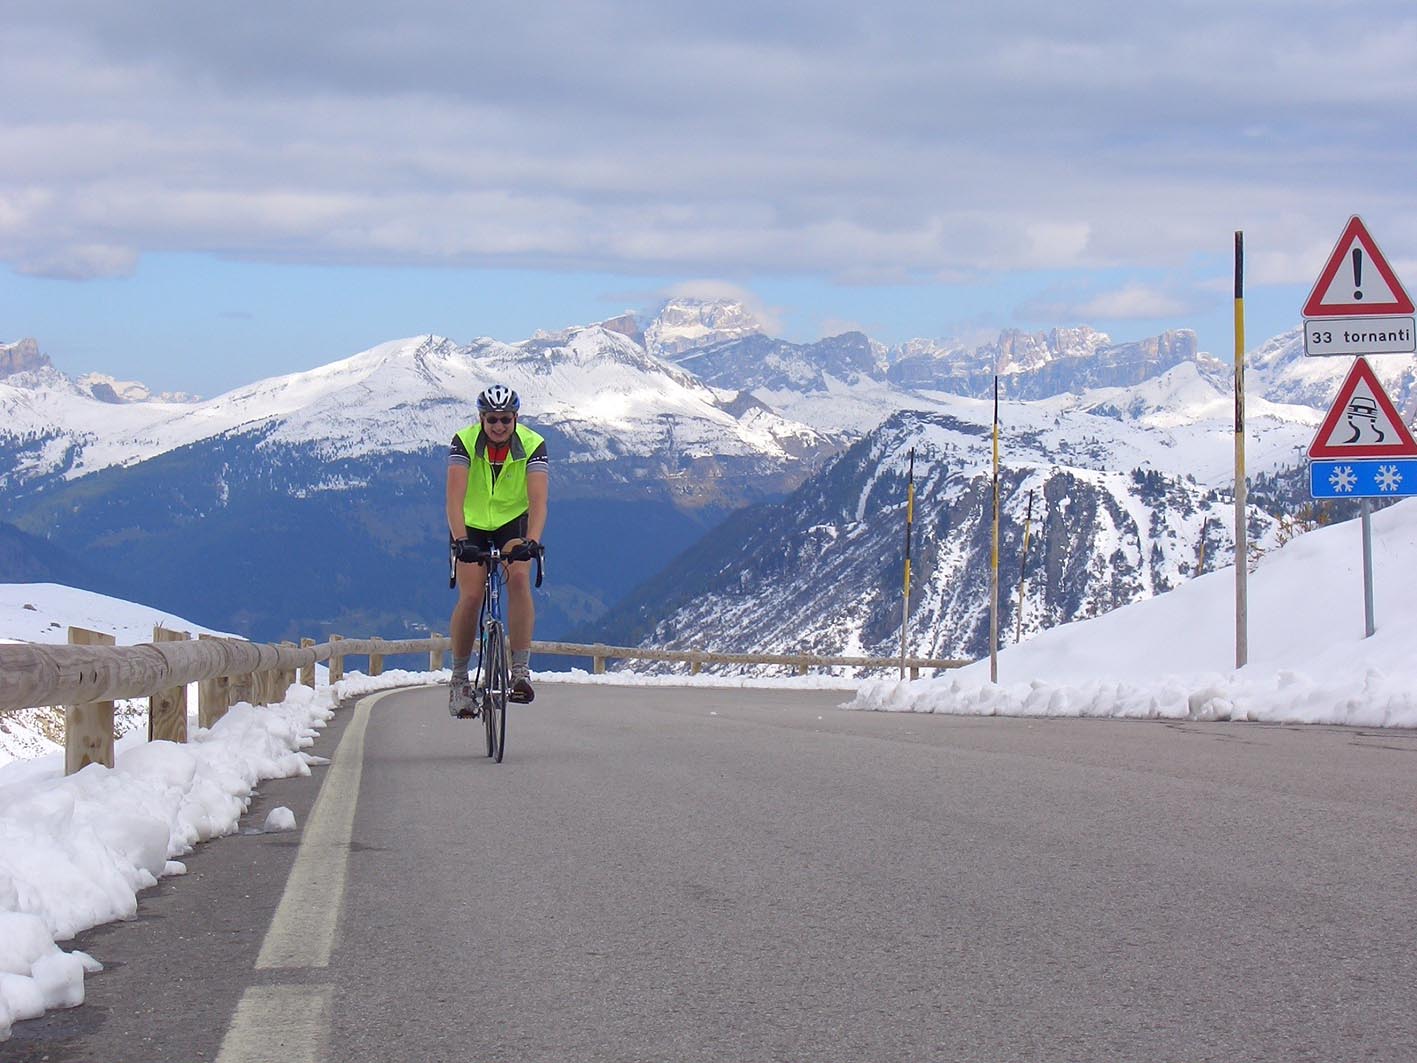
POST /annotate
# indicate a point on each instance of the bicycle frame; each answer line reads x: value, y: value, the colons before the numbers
x: 493, y: 612
x: 494, y: 656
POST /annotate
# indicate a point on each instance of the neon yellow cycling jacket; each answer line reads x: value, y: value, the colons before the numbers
x: 488, y: 505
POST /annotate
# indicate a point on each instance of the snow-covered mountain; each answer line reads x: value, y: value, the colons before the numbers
x: 686, y: 324
x: 325, y: 486
x: 1281, y: 372
x: 354, y: 453
x: 1127, y: 485
x: 606, y: 392
x: 761, y: 362
x: 109, y: 389
x: 1029, y: 365
x: 605, y: 395
x: 1037, y: 365
x: 24, y: 356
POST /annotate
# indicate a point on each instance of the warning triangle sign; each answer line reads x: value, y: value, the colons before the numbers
x: 1362, y: 422
x: 1357, y: 280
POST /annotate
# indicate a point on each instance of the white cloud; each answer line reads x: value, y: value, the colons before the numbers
x: 904, y: 141
x: 78, y: 262
x: 1133, y: 301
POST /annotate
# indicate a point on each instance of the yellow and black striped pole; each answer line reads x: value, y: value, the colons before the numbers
x: 1023, y: 566
x: 994, y: 555
x: 1242, y: 550
x: 909, y: 521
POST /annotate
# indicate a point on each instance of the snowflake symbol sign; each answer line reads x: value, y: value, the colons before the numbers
x: 1343, y: 478
x: 1388, y: 478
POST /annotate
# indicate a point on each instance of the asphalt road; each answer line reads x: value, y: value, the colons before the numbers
x: 726, y: 875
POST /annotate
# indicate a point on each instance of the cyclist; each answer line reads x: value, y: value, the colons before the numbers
x: 497, y: 488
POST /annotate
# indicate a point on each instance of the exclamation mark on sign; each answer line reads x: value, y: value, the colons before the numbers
x: 1358, y: 272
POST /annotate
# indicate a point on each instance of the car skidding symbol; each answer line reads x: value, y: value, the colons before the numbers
x: 1362, y: 414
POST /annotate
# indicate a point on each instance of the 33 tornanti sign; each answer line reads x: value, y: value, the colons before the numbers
x: 1358, y: 306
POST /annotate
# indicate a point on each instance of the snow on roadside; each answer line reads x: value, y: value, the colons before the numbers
x: 76, y: 850
x: 1172, y: 656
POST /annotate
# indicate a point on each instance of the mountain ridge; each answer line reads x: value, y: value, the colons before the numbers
x: 341, y: 467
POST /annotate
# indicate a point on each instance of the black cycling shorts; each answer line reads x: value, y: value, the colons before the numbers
x: 500, y: 537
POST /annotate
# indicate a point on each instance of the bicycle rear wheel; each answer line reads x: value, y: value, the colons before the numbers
x: 496, y: 675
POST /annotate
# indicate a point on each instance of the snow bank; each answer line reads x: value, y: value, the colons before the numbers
x: 1172, y: 656
x: 75, y: 851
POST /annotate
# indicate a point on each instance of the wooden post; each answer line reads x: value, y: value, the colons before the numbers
x: 88, y: 728
x: 167, y: 709
x: 598, y: 660
x: 243, y: 688
x: 435, y: 657
x: 376, y: 661
x: 307, y: 673
x: 213, y: 697
x: 694, y: 666
x: 260, y: 688
x: 284, y: 679
x: 336, y: 662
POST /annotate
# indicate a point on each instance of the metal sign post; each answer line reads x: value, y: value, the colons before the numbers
x: 1368, y: 626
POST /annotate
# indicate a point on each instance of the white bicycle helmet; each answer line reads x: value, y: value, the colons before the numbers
x: 499, y: 398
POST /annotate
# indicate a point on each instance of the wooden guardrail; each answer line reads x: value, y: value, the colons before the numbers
x: 86, y: 678
x: 696, y: 659
x: 90, y: 674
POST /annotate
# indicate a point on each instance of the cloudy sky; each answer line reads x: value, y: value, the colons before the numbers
x: 197, y: 195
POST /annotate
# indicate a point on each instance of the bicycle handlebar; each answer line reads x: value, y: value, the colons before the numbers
x: 482, y: 557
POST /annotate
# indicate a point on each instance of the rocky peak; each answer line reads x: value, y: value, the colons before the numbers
x: 1019, y: 351
x: 1034, y: 365
x: 108, y: 389
x: 626, y: 324
x: 684, y: 324
x: 21, y: 356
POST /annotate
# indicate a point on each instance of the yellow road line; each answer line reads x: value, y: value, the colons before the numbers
x: 275, y: 1022
x: 302, y: 933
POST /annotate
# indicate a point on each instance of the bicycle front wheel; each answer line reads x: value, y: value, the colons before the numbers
x: 497, y: 675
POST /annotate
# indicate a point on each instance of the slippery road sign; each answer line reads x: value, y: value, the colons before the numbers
x: 1362, y: 422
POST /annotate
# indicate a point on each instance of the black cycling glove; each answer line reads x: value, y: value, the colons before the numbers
x: 467, y: 551
x: 525, y: 550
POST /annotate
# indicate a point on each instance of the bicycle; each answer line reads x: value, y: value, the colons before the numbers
x: 493, y: 682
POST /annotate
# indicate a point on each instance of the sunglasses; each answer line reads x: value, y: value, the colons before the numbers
x: 498, y: 420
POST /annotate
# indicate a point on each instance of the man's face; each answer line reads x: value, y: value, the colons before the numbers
x: 499, y: 426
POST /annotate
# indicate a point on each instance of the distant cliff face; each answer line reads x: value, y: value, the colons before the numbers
x: 21, y: 356
x: 1038, y: 365
x: 684, y: 324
